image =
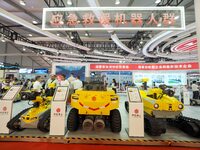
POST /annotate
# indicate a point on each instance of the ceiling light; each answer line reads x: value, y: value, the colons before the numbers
x: 22, y: 2
x: 69, y: 2
x: 24, y: 49
x: 157, y: 1
x: 30, y: 35
x: 71, y: 52
x: 72, y: 37
x: 177, y: 17
x: 159, y: 25
x: 3, y: 40
x: 115, y: 52
x: 117, y: 2
x: 86, y: 34
x: 34, y: 22
x: 58, y: 34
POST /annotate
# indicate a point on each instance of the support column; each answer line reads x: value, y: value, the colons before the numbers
x: 197, y: 19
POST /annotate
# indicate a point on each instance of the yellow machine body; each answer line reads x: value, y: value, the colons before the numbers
x: 160, y: 105
x: 94, y: 102
x: 33, y: 114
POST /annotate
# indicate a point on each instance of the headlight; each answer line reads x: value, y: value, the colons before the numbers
x: 114, y: 99
x: 180, y: 106
x: 156, y: 106
x: 75, y: 97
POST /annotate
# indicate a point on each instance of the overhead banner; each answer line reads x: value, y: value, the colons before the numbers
x: 113, y: 18
x: 136, y: 67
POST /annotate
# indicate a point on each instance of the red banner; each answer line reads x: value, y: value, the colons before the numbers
x: 129, y: 67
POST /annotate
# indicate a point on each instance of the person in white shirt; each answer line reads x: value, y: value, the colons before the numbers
x: 195, y: 90
x: 37, y: 86
x: 63, y: 81
x: 77, y: 84
x: 51, y: 80
x: 71, y: 78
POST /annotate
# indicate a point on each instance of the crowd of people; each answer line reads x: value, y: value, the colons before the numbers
x: 39, y: 83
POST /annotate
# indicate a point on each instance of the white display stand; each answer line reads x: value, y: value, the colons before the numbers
x: 6, y: 107
x: 136, y: 113
x: 58, y: 111
x: 186, y: 98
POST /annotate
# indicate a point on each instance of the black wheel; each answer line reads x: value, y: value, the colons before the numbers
x: 115, y: 121
x: 44, y: 122
x: 14, y: 123
x: 127, y: 106
x: 73, y: 120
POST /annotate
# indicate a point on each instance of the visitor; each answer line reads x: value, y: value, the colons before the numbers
x: 77, y: 83
x: 51, y: 80
x: 37, y: 86
x: 114, y: 85
x: 63, y: 81
x: 195, y: 90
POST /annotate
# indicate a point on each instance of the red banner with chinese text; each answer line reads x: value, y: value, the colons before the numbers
x: 132, y: 67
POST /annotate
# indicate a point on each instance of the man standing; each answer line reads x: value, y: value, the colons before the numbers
x: 37, y: 86
x: 77, y: 84
x: 71, y: 78
x: 63, y: 81
x: 51, y: 80
x: 195, y: 90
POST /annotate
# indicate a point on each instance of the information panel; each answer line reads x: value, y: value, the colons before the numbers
x: 136, y: 113
x: 12, y: 93
x: 61, y: 93
x: 58, y: 111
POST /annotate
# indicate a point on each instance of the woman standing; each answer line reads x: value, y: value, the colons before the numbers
x: 114, y: 85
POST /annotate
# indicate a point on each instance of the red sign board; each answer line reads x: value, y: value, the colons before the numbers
x: 132, y: 67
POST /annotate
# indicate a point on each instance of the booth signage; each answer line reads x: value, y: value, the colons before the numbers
x: 129, y: 67
x: 6, y: 105
x: 113, y: 18
x: 58, y: 111
x: 136, y: 113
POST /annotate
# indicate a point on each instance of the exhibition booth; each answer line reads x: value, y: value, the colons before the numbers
x: 100, y: 74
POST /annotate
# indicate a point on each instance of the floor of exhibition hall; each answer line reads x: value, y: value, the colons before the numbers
x: 171, y: 134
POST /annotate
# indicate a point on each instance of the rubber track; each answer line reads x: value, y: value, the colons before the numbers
x: 14, y: 119
x: 186, y: 124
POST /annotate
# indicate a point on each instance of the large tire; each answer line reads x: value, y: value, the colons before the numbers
x: 13, y: 123
x: 73, y: 120
x: 115, y: 121
x: 44, y: 122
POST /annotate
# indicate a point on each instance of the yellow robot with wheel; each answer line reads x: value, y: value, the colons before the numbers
x: 94, y: 107
x: 159, y: 105
x: 37, y: 116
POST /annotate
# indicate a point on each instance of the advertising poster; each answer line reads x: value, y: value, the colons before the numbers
x: 67, y: 70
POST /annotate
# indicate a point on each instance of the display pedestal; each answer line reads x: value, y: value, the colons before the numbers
x: 58, y: 111
x: 186, y: 98
x: 136, y: 113
x: 6, y: 107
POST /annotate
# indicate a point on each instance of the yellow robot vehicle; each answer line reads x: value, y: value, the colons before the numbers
x: 94, y: 107
x: 159, y: 105
x: 37, y: 116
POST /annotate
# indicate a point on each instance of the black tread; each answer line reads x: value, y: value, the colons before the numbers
x: 44, y: 121
x: 73, y: 120
x: 10, y: 124
x: 115, y: 121
x: 154, y: 126
x: 186, y: 124
x: 127, y: 106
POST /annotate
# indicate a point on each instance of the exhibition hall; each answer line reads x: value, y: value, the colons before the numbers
x: 99, y: 74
